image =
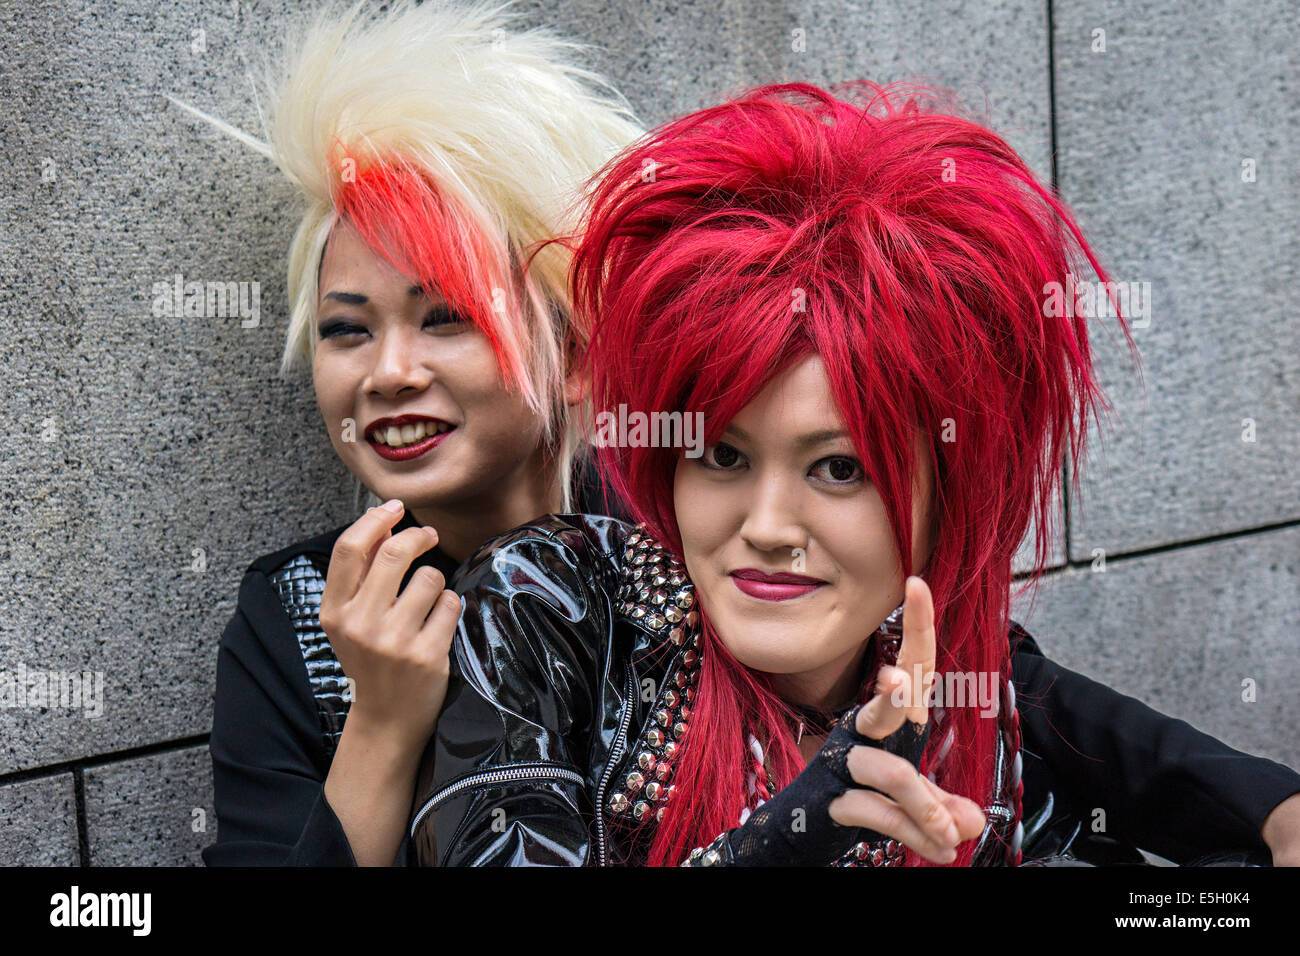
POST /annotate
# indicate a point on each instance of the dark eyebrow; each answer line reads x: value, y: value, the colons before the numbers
x: 804, y: 441
x: 356, y: 298
x: 348, y: 298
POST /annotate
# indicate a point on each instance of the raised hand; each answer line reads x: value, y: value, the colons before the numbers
x: 864, y: 783
x: 900, y: 802
x: 394, y: 648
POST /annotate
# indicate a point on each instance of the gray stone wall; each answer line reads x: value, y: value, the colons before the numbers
x: 146, y: 460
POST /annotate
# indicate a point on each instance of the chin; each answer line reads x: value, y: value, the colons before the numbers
x: 772, y: 653
x: 426, y: 491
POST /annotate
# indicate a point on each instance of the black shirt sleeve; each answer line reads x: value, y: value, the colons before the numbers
x: 269, y: 760
x: 511, y: 774
x: 1162, y: 783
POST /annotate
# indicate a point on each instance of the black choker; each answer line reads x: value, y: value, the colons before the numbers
x: 815, y: 721
x: 819, y: 722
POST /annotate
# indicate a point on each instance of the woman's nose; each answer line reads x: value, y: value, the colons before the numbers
x: 773, y: 521
x: 398, y: 365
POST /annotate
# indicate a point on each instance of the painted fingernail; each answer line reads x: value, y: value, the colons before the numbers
x: 394, y: 505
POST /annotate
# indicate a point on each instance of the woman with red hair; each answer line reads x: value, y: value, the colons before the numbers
x: 851, y: 294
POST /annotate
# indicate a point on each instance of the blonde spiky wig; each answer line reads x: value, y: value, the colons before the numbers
x: 456, y: 149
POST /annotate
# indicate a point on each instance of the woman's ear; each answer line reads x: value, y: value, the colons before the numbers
x: 577, y: 387
x: 934, y: 528
x: 932, y: 468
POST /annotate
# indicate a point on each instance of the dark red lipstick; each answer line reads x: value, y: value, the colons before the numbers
x: 436, y: 430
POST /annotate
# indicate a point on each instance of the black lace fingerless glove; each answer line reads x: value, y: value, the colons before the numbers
x: 795, y: 828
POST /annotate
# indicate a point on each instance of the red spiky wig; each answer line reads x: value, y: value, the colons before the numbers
x: 911, y: 249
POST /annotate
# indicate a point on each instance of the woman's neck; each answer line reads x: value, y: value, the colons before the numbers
x: 832, y: 686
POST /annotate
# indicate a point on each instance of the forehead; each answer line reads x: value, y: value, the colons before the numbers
x: 798, y: 405
x: 797, y: 399
x: 348, y: 264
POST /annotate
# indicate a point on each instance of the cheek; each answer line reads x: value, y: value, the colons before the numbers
x: 860, y: 544
x: 472, y: 375
x: 467, y: 368
x: 706, y: 515
x: 499, y: 418
x: 333, y: 390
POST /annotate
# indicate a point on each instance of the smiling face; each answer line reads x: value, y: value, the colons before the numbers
x: 785, y: 476
x: 435, y: 424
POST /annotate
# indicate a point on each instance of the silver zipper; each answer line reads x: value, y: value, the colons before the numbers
x: 511, y: 774
x: 615, y: 755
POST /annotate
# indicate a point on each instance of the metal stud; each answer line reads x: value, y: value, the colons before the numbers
x: 646, y: 760
x: 663, y: 718
x: 679, y: 729
x: 640, y: 809
x: 670, y: 750
x: 655, y: 738
x: 654, y: 791
x: 618, y: 803
x: 634, y: 781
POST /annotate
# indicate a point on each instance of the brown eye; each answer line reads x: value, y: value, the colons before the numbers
x: 442, y: 316
x: 840, y: 470
x: 338, y: 329
x: 721, y: 455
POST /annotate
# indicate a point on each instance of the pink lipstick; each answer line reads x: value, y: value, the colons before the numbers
x: 769, y: 586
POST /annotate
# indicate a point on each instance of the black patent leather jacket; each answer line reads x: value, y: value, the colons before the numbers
x: 572, y: 678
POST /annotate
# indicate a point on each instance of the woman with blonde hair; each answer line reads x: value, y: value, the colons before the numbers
x: 436, y: 152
